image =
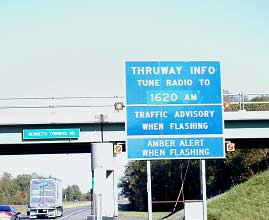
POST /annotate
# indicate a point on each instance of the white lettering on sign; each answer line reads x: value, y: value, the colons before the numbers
x: 191, y: 142
x: 37, y: 134
x: 58, y: 133
x: 190, y: 152
x: 190, y: 97
x: 151, y: 114
x: 161, y: 143
x: 152, y: 126
x: 163, y: 97
x: 179, y: 82
x: 201, y: 70
x: 204, y: 82
x: 148, y: 82
x: 189, y: 126
x: 156, y: 70
x: 195, y: 114
x: 153, y: 153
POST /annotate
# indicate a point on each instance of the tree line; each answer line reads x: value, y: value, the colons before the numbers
x: 16, y: 191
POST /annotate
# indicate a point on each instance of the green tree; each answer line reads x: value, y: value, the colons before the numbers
x: 68, y: 193
x: 76, y: 192
x: 260, y: 105
x: 86, y: 197
x: 134, y: 184
x: 7, y: 187
x: 14, y: 190
x: 167, y: 178
x: 72, y: 193
x: 23, y: 186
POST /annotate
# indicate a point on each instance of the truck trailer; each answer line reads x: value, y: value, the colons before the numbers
x: 46, y: 199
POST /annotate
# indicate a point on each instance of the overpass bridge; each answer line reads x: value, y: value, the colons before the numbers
x: 98, y: 121
x: 101, y: 126
x: 245, y: 129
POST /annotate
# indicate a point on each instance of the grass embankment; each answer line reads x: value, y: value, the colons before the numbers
x: 247, y: 201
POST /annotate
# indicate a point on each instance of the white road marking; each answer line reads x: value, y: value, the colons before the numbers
x: 74, y: 213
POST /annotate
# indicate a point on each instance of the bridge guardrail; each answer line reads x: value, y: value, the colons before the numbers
x: 246, y: 102
x: 231, y: 102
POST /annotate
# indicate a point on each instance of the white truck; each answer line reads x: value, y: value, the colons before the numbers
x: 46, y: 199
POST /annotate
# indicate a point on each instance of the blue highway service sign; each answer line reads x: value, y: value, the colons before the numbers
x: 173, y: 82
x: 174, y: 120
x: 174, y: 148
x: 174, y: 110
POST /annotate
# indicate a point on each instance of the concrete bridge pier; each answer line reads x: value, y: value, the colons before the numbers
x: 103, y: 171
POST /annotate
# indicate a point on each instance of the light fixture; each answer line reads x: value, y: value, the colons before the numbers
x: 230, y: 147
x: 119, y: 106
x: 117, y: 148
x: 226, y: 105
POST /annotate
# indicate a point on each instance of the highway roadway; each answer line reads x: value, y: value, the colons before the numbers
x: 79, y: 213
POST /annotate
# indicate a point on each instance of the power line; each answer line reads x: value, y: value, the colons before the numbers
x: 61, y: 97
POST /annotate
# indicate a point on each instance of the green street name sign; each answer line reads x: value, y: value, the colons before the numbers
x: 65, y: 133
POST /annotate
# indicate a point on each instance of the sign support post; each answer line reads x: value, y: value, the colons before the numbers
x: 203, y: 182
x: 149, y: 190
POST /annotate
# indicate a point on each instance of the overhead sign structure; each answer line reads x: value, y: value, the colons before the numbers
x: 174, y: 110
x: 66, y: 133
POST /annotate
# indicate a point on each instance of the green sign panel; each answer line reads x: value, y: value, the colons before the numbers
x: 65, y: 133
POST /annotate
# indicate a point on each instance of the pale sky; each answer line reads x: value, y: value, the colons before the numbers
x: 66, y: 47
x: 78, y: 48
x: 70, y: 168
